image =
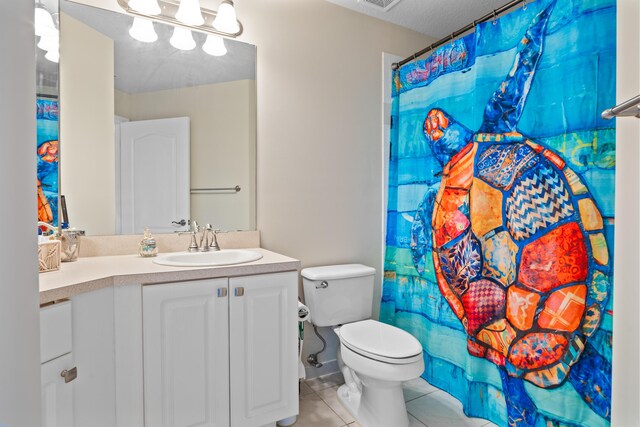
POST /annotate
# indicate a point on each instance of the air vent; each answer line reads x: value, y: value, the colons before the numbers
x: 383, y: 5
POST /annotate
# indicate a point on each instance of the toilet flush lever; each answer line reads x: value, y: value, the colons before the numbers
x: 324, y: 284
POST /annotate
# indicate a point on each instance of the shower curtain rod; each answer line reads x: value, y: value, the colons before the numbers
x: 485, y: 18
x: 629, y: 108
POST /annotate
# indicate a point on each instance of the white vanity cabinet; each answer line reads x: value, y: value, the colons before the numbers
x: 220, y: 352
x: 161, y: 346
x: 56, y: 366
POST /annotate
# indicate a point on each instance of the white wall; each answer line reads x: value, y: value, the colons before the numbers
x: 19, y: 324
x: 87, y: 173
x: 626, y: 297
x: 223, y: 145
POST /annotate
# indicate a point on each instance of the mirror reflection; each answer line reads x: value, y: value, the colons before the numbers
x: 152, y: 135
x: 47, y: 131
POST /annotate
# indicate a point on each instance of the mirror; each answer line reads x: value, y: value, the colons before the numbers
x: 47, y: 119
x: 125, y: 109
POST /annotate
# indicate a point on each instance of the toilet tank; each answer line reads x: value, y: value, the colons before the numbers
x: 338, y: 294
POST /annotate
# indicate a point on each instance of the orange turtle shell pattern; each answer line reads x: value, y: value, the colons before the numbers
x: 520, y: 256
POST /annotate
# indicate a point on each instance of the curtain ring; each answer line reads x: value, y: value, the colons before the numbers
x: 452, y: 37
x: 495, y: 19
x: 524, y: 5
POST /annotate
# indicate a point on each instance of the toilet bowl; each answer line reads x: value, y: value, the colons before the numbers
x: 375, y: 358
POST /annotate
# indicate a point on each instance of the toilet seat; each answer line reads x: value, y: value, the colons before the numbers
x: 380, y: 341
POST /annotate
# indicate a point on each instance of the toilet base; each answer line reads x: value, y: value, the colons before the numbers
x: 379, y: 405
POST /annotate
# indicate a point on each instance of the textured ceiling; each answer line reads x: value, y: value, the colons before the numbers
x: 144, y: 67
x: 434, y: 18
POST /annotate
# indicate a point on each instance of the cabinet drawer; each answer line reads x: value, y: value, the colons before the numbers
x: 55, y: 331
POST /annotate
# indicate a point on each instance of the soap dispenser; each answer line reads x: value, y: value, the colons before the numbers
x: 148, y: 245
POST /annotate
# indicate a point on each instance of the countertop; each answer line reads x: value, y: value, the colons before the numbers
x: 93, y: 273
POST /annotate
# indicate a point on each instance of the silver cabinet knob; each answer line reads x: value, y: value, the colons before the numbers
x: 69, y: 374
x: 222, y: 292
x: 238, y: 292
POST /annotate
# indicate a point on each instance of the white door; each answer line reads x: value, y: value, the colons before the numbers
x: 154, y: 174
x: 56, y: 395
x: 264, y: 348
x: 186, y: 354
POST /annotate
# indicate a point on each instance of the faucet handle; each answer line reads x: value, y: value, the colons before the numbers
x: 193, y: 226
x: 214, y: 242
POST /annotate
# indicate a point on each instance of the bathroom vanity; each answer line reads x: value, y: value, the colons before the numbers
x: 177, y: 346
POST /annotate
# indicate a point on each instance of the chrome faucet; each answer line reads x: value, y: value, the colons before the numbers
x: 204, y: 239
x: 204, y: 245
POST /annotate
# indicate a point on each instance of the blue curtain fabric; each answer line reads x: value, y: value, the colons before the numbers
x: 47, y: 119
x: 500, y: 217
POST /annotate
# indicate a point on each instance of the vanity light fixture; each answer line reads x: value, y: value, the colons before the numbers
x: 43, y: 21
x: 49, y: 40
x: 142, y: 30
x: 224, y: 22
x: 182, y: 39
x: 147, y: 7
x: 45, y: 28
x: 189, y: 12
x: 53, y: 55
x: 214, y: 45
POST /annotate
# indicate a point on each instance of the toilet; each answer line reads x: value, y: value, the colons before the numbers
x: 375, y: 358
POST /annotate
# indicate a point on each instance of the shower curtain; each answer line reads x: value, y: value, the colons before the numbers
x: 500, y: 214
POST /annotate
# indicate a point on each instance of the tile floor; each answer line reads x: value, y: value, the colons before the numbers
x: 427, y: 406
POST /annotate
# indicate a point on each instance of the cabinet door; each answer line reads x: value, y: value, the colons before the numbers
x: 56, y: 395
x: 186, y: 354
x: 263, y: 339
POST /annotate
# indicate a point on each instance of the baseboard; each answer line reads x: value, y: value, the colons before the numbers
x: 328, y: 367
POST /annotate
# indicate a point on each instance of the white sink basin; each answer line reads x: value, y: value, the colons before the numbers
x: 207, y: 259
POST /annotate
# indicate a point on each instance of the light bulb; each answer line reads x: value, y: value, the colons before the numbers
x: 189, y: 12
x: 50, y: 40
x: 53, y: 55
x: 182, y: 39
x: 148, y: 7
x: 226, y: 20
x: 142, y: 30
x: 42, y: 20
x: 214, y: 45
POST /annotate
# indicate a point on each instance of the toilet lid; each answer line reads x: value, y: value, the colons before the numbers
x: 371, y: 337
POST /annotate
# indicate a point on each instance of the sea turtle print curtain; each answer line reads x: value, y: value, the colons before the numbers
x: 500, y: 216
